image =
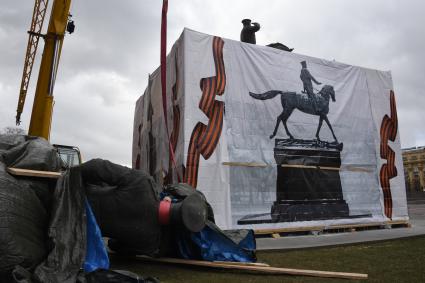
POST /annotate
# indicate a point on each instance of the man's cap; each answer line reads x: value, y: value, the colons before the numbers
x: 246, y: 21
x: 191, y: 213
x: 304, y: 63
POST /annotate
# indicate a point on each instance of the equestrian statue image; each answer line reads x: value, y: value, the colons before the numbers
x: 306, y: 101
x: 305, y: 191
x: 318, y: 105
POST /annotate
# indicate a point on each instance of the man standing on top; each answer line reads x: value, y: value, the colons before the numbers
x: 248, y: 31
x: 306, y: 78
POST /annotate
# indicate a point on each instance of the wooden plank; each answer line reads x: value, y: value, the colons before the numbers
x: 261, y: 269
x: 33, y: 173
x: 349, y: 226
x: 365, y: 225
x: 264, y: 165
x: 246, y: 164
x: 356, y: 169
x: 327, y: 228
x: 310, y: 167
x: 398, y: 222
x: 288, y: 230
x: 242, y: 263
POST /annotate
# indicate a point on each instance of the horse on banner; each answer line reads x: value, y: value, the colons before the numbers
x: 318, y: 106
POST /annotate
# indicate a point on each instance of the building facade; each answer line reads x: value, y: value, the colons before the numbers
x: 414, y: 168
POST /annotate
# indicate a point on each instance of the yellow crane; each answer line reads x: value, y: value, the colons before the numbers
x: 41, y: 116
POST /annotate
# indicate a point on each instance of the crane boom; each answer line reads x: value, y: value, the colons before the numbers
x: 39, y: 12
x: 42, y: 110
x: 41, y: 116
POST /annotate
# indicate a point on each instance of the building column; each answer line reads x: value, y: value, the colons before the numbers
x: 411, y: 181
x: 421, y: 177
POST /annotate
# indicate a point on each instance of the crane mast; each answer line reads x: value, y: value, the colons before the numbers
x: 42, y: 110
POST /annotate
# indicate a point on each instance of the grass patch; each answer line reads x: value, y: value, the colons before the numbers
x: 399, y: 260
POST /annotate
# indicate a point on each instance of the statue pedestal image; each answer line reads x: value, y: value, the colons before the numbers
x: 308, y: 184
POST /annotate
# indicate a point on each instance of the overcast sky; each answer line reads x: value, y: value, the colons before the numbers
x: 106, y: 62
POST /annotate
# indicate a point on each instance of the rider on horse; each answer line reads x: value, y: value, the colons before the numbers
x: 306, y: 78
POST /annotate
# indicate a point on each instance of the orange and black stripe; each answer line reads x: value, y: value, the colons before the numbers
x: 209, y: 140
x: 204, y: 138
x: 192, y: 163
x: 208, y: 87
x: 388, y: 132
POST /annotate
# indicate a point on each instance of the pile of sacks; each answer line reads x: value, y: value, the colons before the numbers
x: 51, y: 229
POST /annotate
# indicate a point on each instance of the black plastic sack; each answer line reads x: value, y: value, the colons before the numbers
x: 211, y: 243
x: 125, y: 202
x: 23, y: 222
x: 24, y: 202
x: 42, y: 221
x: 28, y: 152
x: 181, y: 190
x: 66, y: 231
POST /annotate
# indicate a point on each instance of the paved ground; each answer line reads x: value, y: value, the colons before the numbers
x: 417, y: 220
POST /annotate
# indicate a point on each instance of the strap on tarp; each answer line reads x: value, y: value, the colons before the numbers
x: 164, y: 212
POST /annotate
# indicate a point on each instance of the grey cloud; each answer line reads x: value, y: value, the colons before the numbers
x: 105, y: 63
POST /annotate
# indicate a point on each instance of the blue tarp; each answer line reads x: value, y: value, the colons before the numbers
x: 96, y: 254
x: 212, y: 244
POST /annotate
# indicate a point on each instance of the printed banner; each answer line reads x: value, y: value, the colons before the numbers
x: 274, y: 138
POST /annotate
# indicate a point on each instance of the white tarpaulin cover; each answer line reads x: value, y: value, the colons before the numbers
x: 225, y: 99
